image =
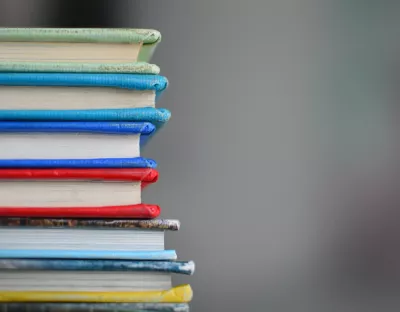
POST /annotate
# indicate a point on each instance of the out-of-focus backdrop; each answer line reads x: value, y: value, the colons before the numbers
x: 280, y: 159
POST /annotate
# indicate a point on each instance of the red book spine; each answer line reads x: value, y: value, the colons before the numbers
x: 140, y: 211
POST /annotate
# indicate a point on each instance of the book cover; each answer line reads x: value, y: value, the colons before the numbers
x: 179, y: 294
x: 155, y: 224
x: 124, y: 81
x: 64, y: 67
x: 104, y: 127
x: 139, y: 211
x: 145, y: 175
x: 156, y: 116
x: 98, y: 307
x: 89, y: 254
x: 144, y: 129
x: 149, y: 38
x: 177, y: 267
x: 137, y: 162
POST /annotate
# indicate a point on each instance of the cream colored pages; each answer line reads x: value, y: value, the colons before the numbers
x: 68, y: 193
x: 69, y: 52
x: 70, y: 98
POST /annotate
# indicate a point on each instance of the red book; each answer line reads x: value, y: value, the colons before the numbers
x: 76, y: 193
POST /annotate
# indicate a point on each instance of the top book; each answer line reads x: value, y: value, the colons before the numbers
x: 85, y: 45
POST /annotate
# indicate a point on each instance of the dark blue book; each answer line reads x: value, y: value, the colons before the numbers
x: 73, y: 143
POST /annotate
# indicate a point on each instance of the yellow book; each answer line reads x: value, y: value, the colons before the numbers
x: 179, y: 294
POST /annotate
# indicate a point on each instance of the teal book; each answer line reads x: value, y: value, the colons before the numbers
x: 95, y: 50
x: 82, y: 97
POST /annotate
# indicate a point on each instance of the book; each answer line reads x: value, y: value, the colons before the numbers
x: 77, y: 45
x: 98, y: 307
x: 156, y: 116
x: 96, y: 189
x: 179, y: 294
x: 76, y: 91
x: 72, y: 140
x: 89, y: 275
x: 103, y: 239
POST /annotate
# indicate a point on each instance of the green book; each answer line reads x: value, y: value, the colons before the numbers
x: 94, y: 50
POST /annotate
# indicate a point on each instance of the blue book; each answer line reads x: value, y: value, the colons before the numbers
x: 73, y: 143
x: 82, y: 97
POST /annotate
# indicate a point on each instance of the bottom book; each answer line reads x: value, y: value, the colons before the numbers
x: 94, y: 307
x: 179, y: 294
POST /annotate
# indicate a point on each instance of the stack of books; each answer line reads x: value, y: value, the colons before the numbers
x: 76, y: 107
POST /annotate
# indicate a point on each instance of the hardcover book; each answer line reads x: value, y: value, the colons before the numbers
x: 103, y: 239
x: 89, y: 275
x: 83, y: 91
x: 78, y: 45
x: 157, y: 117
x: 72, y: 140
x: 76, y: 192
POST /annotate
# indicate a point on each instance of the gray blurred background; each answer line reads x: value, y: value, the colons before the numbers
x: 280, y: 159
